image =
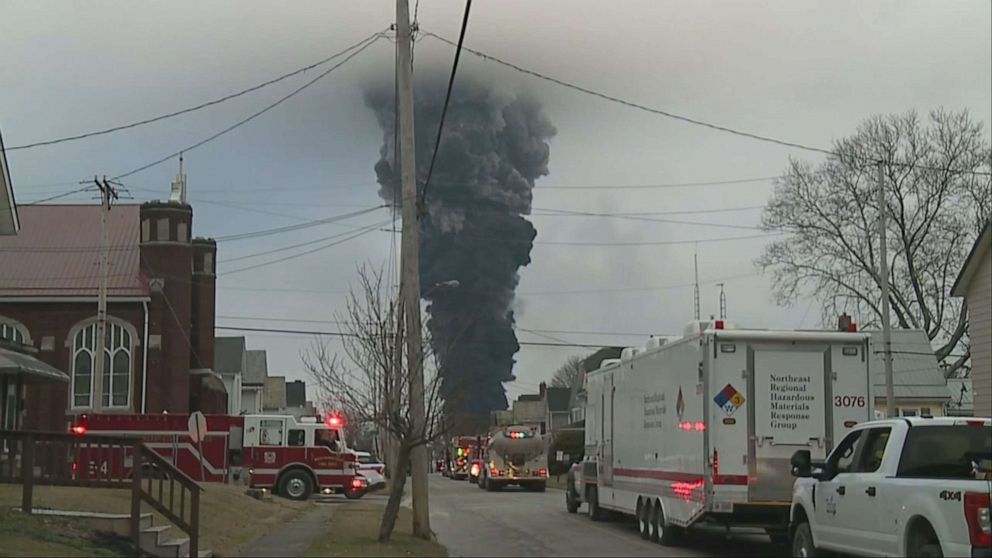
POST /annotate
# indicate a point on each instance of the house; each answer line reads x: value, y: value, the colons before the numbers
x: 577, y: 396
x: 530, y: 410
x: 161, y: 288
x: 231, y: 362
x: 962, y: 403
x: 9, y: 224
x: 253, y: 382
x: 274, y: 394
x: 974, y: 283
x: 559, y: 413
x: 920, y: 387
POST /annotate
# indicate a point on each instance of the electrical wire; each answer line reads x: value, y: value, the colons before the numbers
x: 356, y: 50
x: 293, y: 256
x: 447, y: 99
x: 294, y: 246
x: 188, y: 109
x: 290, y: 228
x: 686, y: 119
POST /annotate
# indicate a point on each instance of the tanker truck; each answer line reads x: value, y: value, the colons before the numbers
x: 515, y: 455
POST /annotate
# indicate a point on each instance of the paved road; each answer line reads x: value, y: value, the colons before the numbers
x: 472, y: 522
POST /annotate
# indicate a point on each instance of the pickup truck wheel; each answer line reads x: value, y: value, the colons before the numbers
x: 354, y: 493
x: 295, y: 485
x: 802, y: 542
x: 929, y: 551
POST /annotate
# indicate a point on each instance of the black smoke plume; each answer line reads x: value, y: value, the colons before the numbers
x: 494, y: 146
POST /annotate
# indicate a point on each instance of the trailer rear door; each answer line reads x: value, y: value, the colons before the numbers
x: 789, y: 387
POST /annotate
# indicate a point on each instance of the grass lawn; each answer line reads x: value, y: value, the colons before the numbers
x: 353, y: 531
x: 229, y: 519
x: 39, y: 535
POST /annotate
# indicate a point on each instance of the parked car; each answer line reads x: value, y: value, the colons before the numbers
x: 372, y: 469
x: 915, y: 486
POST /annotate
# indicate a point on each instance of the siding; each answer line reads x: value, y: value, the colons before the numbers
x: 980, y: 329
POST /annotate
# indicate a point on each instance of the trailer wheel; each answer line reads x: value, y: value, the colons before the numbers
x: 644, y: 517
x: 668, y: 535
x: 653, y: 511
x: 295, y: 485
x: 592, y: 497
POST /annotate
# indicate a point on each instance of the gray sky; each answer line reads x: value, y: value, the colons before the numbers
x: 802, y: 71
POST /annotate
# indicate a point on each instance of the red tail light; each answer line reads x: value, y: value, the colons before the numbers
x: 976, y: 514
x: 357, y: 483
x: 494, y: 472
x: 542, y: 472
x: 79, y: 430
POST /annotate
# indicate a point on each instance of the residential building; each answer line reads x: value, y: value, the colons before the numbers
x: 974, y: 283
x: 559, y: 413
x: 920, y: 387
x: 253, y: 382
x: 274, y: 398
x: 530, y: 410
x: 231, y: 362
x: 296, y: 393
x: 161, y: 288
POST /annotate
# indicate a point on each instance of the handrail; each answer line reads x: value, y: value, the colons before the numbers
x: 93, y: 460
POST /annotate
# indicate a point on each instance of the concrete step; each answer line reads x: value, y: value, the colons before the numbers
x: 153, y: 535
x: 175, y: 548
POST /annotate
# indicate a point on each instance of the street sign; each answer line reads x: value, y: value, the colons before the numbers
x: 197, y: 426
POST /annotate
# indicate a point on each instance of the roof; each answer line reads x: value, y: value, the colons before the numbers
x: 983, y: 245
x: 257, y: 369
x: 57, y: 252
x: 229, y: 355
x: 31, y: 369
x: 594, y: 361
x: 9, y: 223
x: 558, y: 399
x: 915, y: 371
x: 529, y: 397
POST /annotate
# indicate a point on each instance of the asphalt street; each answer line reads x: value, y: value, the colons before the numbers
x: 473, y: 522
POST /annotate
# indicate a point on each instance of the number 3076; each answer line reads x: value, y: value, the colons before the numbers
x: 849, y: 401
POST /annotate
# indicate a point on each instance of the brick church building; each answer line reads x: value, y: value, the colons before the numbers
x: 159, y: 349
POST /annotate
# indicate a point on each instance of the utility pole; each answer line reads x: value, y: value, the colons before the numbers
x: 883, y: 270
x: 723, y: 302
x: 107, y: 195
x: 410, y: 267
x: 695, y: 266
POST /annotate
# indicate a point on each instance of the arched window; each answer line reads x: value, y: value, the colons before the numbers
x: 116, y: 366
x: 12, y: 332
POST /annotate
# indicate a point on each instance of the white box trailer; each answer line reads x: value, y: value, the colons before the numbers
x: 702, y: 428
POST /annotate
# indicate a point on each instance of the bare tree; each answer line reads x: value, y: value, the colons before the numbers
x: 568, y: 374
x: 371, y: 382
x: 937, y: 192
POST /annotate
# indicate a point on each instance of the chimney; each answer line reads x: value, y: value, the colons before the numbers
x: 844, y: 322
x: 544, y: 390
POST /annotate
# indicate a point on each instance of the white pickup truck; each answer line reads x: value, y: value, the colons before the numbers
x: 899, y: 487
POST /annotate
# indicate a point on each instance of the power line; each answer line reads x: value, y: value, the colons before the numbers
x: 660, y: 186
x: 290, y: 228
x: 447, y: 99
x: 346, y: 334
x: 189, y: 109
x: 647, y: 242
x: 694, y: 121
x: 365, y: 43
x: 649, y: 219
x: 293, y: 256
x: 299, y: 245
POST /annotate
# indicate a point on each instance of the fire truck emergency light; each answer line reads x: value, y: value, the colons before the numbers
x: 334, y: 422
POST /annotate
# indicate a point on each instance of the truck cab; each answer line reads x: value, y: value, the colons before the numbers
x: 900, y: 487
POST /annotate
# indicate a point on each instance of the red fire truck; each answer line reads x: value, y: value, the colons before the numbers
x: 291, y: 458
x: 462, y: 452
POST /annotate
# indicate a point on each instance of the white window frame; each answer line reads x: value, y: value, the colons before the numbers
x: 18, y: 329
x: 122, y: 340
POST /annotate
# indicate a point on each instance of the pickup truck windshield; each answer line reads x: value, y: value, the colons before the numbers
x: 946, y: 452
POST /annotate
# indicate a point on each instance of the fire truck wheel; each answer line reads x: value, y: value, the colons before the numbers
x: 491, y: 486
x: 354, y: 493
x: 482, y: 482
x: 295, y: 485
